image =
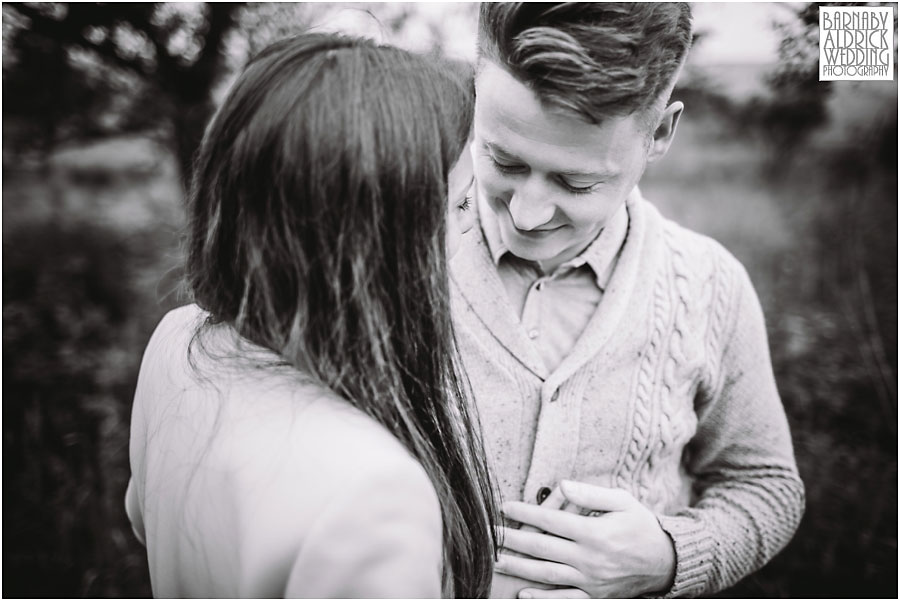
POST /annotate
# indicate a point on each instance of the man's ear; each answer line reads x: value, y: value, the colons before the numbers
x: 665, y: 131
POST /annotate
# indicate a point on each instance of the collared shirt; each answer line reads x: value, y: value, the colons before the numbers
x: 555, y: 308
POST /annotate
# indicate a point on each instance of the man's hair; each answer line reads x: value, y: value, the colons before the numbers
x: 594, y: 59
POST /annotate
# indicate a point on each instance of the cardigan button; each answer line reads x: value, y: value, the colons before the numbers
x: 542, y: 494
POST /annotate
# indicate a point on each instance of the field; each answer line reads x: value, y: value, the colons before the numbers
x: 91, y: 262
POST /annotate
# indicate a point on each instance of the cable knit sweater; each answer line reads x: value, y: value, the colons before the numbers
x: 668, y: 394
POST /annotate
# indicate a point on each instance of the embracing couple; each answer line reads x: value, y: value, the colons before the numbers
x: 580, y: 403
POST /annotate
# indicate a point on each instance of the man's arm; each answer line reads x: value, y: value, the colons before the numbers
x: 751, y: 497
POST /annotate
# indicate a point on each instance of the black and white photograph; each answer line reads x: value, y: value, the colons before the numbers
x: 518, y: 300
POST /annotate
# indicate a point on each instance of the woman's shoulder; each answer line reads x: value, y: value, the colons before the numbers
x: 165, y: 359
x: 261, y: 397
x: 267, y: 413
x: 308, y: 421
x: 308, y: 442
x: 170, y: 341
x: 178, y: 323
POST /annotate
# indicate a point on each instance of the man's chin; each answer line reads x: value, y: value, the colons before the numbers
x: 527, y: 254
x: 529, y: 249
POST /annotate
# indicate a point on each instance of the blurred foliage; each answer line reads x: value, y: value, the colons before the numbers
x: 794, y: 106
x: 797, y: 102
x: 82, y: 287
x: 77, y: 71
x: 799, y: 183
x: 68, y: 63
x: 65, y: 303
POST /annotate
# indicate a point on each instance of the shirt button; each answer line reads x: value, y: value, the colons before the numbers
x: 533, y: 334
x: 542, y: 494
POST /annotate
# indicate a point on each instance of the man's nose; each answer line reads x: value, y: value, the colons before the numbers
x: 530, y: 206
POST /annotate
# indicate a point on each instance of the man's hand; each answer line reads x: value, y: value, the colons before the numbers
x: 506, y: 586
x: 623, y: 552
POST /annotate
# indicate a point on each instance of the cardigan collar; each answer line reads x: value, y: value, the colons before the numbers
x: 475, y: 274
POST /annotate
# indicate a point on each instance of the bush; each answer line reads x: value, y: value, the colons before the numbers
x: 69, y: 366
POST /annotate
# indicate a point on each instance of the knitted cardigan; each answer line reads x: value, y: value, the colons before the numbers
x: 668, y: 394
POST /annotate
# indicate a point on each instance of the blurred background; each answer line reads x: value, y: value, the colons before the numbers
x: 103, y: 106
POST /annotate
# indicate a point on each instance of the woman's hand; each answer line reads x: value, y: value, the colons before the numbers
x: 622, y: 552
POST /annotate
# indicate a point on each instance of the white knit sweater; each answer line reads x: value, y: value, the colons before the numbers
x: 668, y: 394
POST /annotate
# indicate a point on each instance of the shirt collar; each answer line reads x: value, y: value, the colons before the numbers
x: 600, y: 254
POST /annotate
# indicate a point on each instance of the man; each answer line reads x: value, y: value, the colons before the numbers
x: 618, y: 361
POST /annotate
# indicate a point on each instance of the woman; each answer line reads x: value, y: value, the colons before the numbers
x: 302, y: 429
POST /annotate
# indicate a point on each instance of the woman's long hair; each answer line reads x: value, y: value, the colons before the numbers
x: 317, y: 230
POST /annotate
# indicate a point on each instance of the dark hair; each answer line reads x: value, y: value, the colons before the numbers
x: 596, y: 59
x: 317, y: 230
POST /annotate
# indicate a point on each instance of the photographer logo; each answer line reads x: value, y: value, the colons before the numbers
x: 856, y: 43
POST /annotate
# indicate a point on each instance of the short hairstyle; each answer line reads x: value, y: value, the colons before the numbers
x: 317, y: 230
x: 596, y: 59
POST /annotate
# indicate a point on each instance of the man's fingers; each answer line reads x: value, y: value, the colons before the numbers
x: 554, y: 593
x: 561, y: 523
x: 540, y: 545
x: 554, y: 500
x: 596, y: 498
x: 538, y: 570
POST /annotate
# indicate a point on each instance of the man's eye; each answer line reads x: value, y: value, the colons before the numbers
x: 579, y: 188
x: 505, y: 168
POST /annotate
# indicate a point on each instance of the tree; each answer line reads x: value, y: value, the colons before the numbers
x: 73, y: 61
x: 797, y: 106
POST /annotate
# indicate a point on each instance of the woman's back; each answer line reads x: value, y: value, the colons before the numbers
x: 248, y: 481
x: 324, y: 202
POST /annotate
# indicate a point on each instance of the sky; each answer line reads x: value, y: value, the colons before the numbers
x: 738, y: 32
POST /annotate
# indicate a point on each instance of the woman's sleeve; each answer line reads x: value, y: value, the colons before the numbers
x: 749, y: 494
x: 133, y: 510
x: 381, y: 539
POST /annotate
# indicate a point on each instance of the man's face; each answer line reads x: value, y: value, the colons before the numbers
x: 552, y: 180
